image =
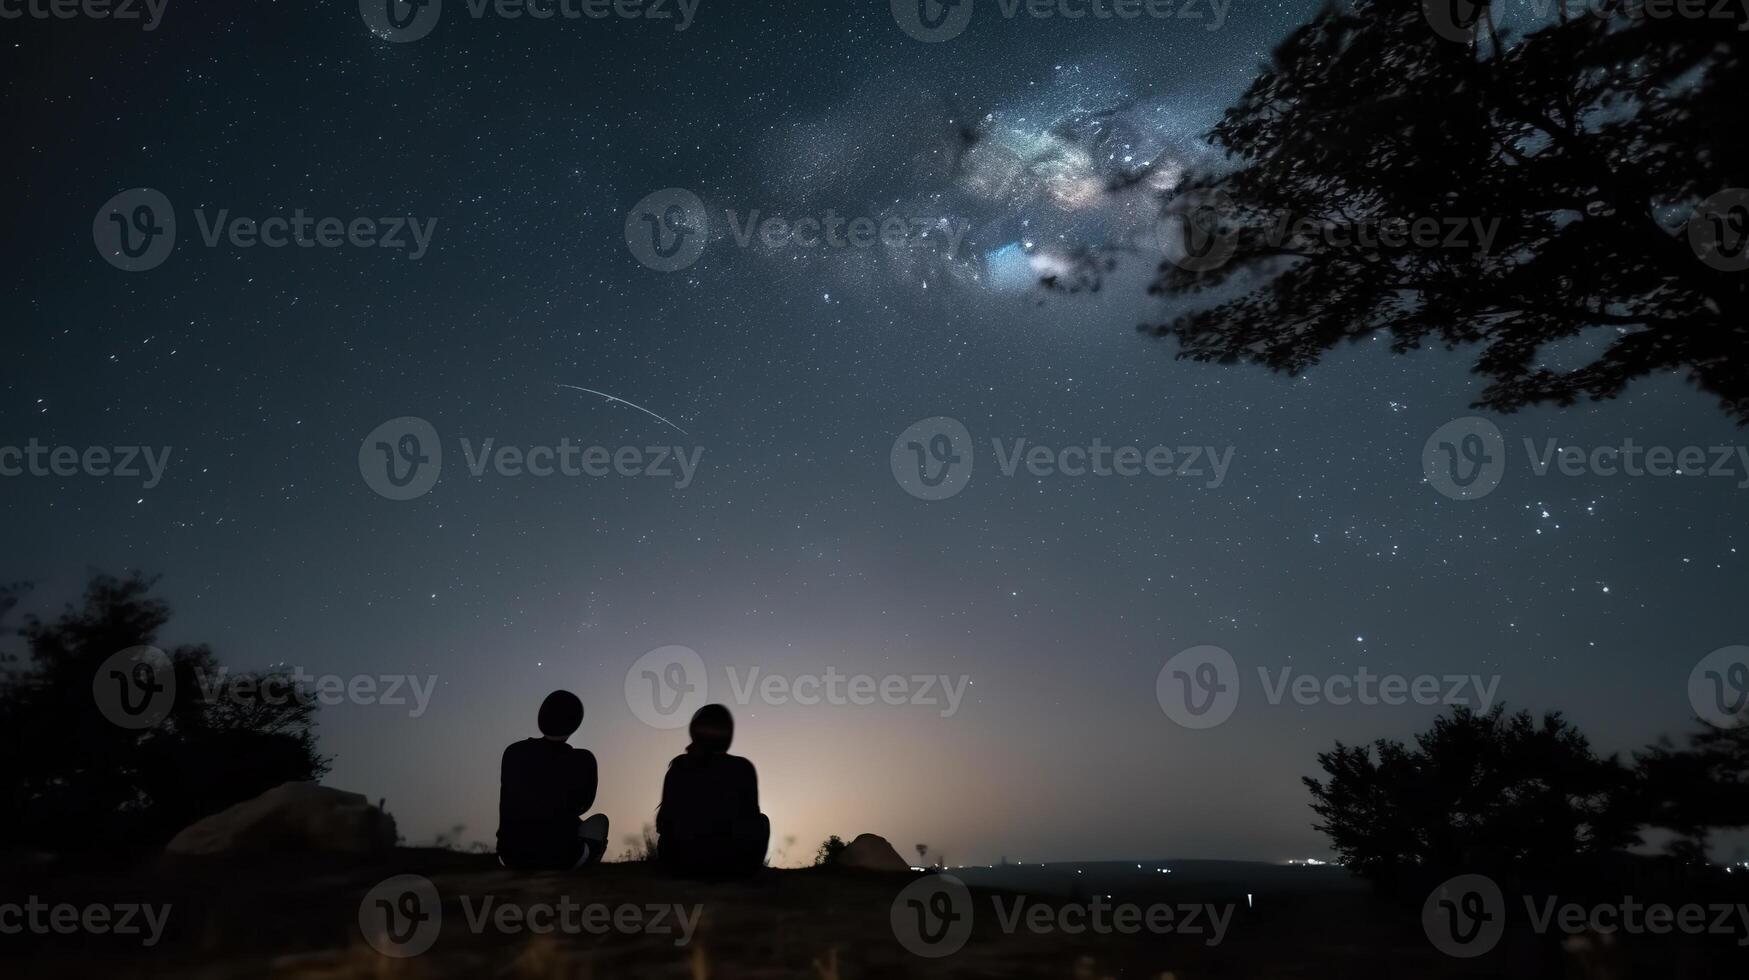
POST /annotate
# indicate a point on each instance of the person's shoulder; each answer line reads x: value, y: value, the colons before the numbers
x: 740, y: 762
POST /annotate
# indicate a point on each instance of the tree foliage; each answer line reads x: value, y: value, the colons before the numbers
x: 1696, y: 790
x: 829, y: 849
x: 1514, y: 795
x: 1477, y: 790
x: 76, y: 781
x: 1587, y: 144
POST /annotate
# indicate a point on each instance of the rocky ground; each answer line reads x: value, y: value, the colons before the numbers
x: 300, y: 917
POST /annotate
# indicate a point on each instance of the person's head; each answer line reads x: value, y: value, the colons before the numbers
x: 560, y: 714
x: 712, y: 729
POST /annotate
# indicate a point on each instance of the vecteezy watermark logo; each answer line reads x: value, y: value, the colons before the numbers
x: 303, y: 231
x: 1634, y: 460
x: 402, y: 916
x: 283, y: 688
x: 135, y: 230
x: 1199, y: 687
x: 1102, y: 917
x: 665, y: 686
x: 400, y: 20
x: 401, y: 458
x: 1549, y: 914
x: 668, y: 230
x: 1718, y: 687
x: 1364, y: 687
x: 1719, y: 230
x: 1199, y: 231
x: 1196, y: 232
x: 88, y: 9
x: 942, y: 20
x: 1454, y: 20
x: 1465, y: 916
x: 933, y: 458
x: 410, y: 20
x: 135, y: 688
x: 1465, y: 458
x: 1459, y: 20
x: 932, y: 916
x: 830, y: 230
x: 571, y: 918
x: 36, y: 459
x: 98, y: 919
x: 931, y: 21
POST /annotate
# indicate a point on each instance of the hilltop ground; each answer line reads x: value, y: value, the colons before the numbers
x: 299, y: 917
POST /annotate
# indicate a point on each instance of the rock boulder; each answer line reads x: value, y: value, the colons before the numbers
x: 291, y: 817
x: 870, y: 853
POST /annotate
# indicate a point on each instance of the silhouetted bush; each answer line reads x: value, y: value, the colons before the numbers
x: 829, y: 849
x: 1522, y: 800
x: 76, y: 782
x: 1698, y: 789
x: 1488, y: 793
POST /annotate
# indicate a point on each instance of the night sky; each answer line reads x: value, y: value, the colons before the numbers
x: 793, y: 548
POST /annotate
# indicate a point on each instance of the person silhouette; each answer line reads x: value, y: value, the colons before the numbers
x: 709, y: 822
x: 543, y: 788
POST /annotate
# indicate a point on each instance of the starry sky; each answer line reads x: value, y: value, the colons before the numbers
x: 793, y: 549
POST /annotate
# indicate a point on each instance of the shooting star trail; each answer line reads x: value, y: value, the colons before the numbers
x: 622, y: 401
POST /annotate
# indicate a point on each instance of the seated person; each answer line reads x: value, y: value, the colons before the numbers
x: 544, y: 786
x: 709, y: 822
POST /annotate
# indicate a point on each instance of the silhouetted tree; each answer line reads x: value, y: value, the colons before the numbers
x: 10, y: 595
x: 1477, y: 791
x: 76, y: 781
x: 829, y: 849
x: 1591, y: 139
x: 1696, y: 790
